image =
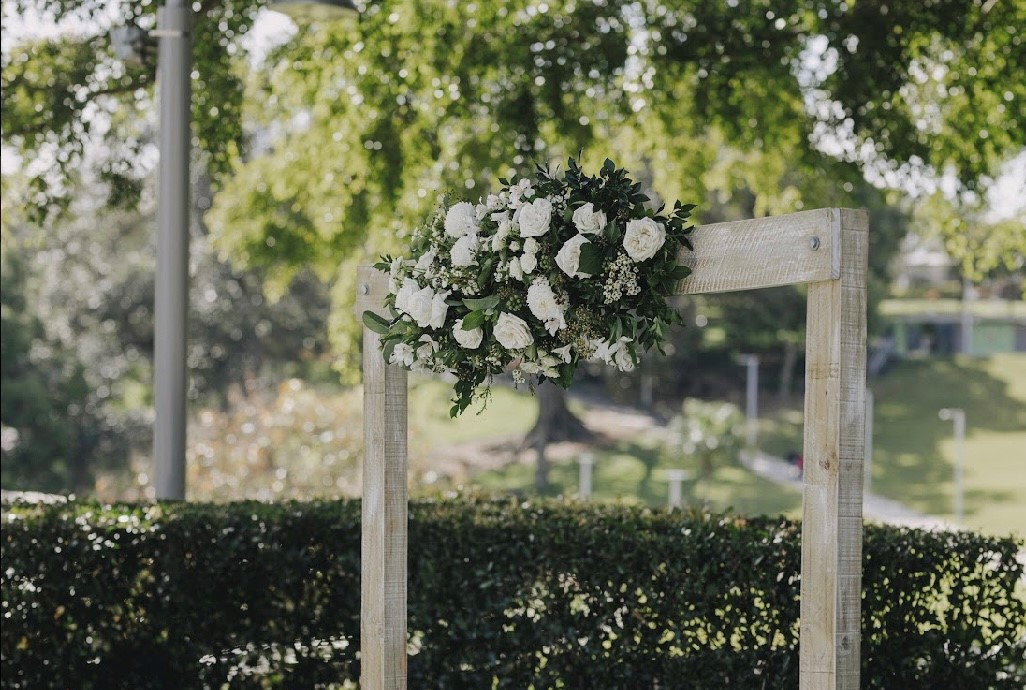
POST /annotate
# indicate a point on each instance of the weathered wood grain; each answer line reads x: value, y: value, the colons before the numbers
x: 384, y: 512
x: 835, y: 377
x: 826, y: 248
x: 795, y: 248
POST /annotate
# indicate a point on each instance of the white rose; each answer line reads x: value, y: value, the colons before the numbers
x: 534, y: 218
x: 439, y: 309
x: 502, y: 232
x: 424, y: 263
x: 469, y: 339
x: 512, y: 332
x: 589, y: 221
x: 617, y: 354
x: 623, y: 360
x: 462, y: 253
x: 544, y: 306
x: 420, y: 306
x: 569, y: 257
x: 515, y: 269
x: 461, y: 219
x: 402, y: 355
x: 402, y: 297
x: 643, y: 238
x: 528, y: 263
x: 531, y: 246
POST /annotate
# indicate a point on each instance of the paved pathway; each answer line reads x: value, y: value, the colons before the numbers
x: 874, y: 507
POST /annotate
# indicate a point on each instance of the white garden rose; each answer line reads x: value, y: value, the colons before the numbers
x: 402, y: 297
x: 542, y: 303
x: 425, y: 353
x: 402, y: 355
x: 512, y: 332
x: 528, y: 262
x: 469, y: 339
x: 426, y: 261
x: 502, y: 232
x: 439, y: 309
x: 531, y: 246
x: 462, y: 253
x: 420, y: 306
x: 515, y: 269
x: 643, y: 238
x: 622, y: 359
x: 617, y: 354
x: 588, y: 221
x: 461, y: 219
x: 569, y: 257
x: 535, y: 217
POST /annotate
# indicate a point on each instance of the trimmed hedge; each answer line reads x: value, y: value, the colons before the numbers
x: 502, y: 595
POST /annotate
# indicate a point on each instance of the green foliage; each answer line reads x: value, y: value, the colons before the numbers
x: 54, y: 423
x: 708, y: 430
x: 612, y: 303
x: 61, y: 94
x: 502, y: 594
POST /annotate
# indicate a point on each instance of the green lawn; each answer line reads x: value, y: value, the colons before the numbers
x: 631, y: 472
x: 508, y: 412
x: 913, y: 457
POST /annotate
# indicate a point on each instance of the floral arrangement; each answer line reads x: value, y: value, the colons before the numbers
x: 533, y: 280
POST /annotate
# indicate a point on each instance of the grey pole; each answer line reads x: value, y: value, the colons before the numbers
x: 957, y: 416
x: 172, y: 282
x: 751, y: 400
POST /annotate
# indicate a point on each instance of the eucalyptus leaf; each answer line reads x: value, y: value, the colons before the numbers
x: 376, y: 323
x: 481, y: 303
x: 473, y: 320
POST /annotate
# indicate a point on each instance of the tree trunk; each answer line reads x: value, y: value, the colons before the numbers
x: 555, y: 423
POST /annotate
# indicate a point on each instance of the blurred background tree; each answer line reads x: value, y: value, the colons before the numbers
x: 321, y: 152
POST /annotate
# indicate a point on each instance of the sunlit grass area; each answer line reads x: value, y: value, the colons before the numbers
x: 914, y: 450
x: 507, y: 412
x: 913, y: 458
x: 633, y: 472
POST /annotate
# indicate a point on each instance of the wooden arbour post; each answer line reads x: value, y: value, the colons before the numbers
x: 824, y: 248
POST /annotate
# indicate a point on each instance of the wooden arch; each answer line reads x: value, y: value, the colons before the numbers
x: 825, y: 248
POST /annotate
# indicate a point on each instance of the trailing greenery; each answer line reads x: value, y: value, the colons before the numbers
x: 502, y: 594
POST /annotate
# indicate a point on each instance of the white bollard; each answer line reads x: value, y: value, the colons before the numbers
x: 586, y: 462
x: 676, y: 479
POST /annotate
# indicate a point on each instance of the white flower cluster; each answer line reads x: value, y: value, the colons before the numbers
x: 532, y: 280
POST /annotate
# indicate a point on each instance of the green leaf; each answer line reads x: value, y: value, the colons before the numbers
x: 376, y: 323
x: 473, y: 320
x: 680, y: 272
x: 481, y: 303
x: 591, y: 259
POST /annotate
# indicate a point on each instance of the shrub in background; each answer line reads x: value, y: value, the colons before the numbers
x: 502, y: 595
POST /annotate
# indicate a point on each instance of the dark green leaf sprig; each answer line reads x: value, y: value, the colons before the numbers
x: 532, y: 280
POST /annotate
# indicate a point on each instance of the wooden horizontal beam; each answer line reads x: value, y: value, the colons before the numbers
x: 801, y: 247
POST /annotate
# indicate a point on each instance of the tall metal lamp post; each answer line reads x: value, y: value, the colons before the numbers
x: 174, y: 69
x: 957, y: 416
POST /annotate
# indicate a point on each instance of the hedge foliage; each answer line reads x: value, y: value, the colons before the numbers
x: 502, y: 594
